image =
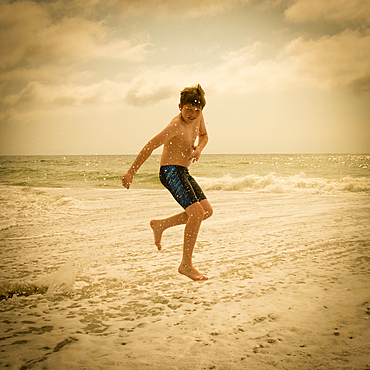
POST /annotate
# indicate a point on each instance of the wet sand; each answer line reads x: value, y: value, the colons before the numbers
x: 288, y: 285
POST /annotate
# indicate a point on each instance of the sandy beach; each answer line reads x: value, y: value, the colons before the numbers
x: 265, y: 103
x: 288, y: 284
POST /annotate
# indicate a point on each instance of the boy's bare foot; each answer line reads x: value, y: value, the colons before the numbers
x: 191, y: 272
x: 157, y: 230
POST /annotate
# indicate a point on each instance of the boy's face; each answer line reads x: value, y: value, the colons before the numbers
x: 190, y: 112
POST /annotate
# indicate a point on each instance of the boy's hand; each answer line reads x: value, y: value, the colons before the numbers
x: 127, y: 180
x: 196, y: 154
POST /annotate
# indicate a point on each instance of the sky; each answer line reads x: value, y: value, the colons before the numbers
x: 103, y: 77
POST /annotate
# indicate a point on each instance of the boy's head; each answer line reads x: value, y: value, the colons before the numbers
x: 193, y: 95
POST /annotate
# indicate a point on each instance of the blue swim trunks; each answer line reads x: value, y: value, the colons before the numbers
x: 181, y: 185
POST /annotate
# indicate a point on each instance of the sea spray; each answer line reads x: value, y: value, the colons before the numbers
x: 65, y: 278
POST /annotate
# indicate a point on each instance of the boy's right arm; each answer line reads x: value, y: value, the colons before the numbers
x: 139, y: 160
x: 158, y: 140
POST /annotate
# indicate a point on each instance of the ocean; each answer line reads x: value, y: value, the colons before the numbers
x: 315, y: 173
x: 82, y: 285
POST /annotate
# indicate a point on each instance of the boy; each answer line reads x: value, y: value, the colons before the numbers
x: 179, y: 152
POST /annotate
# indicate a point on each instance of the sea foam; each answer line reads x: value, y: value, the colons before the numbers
x: 272, y: 183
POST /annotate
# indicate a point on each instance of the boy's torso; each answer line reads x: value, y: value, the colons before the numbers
x: 178, y: 149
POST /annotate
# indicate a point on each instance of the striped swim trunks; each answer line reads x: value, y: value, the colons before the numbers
x: 181, y: 185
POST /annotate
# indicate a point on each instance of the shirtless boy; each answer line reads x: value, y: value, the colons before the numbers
x: 179, y: 151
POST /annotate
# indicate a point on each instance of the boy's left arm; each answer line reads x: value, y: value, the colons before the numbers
x: 202, y: 141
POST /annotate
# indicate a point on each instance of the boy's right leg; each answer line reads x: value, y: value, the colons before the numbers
x: 159, y: 226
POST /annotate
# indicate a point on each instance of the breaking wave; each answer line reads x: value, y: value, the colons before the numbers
x: 273, y: 183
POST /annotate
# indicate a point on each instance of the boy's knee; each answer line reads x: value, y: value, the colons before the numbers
x: 208, y: 213
x: 196, y: 211
x: 208, y: 210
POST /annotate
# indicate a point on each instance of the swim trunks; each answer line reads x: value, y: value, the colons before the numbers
x: 181, y: 185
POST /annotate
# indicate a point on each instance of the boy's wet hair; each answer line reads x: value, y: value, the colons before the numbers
x: 193, y: 95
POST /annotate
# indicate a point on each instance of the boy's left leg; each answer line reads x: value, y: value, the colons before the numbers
x: 195, y: 214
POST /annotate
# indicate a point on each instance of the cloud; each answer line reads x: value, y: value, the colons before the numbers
x: 19, y: 26
x: 239, y: 71
x: 331, y: 10
x: 339, y: 60
x: 154, y: 84
x: 105, y: 92
x: 51, y: 73
x: 96, y: 9
x: 90, y: 9
x: 22, y: 118
x: 141, y: 95
x: 180, y: 8
x: 42, y: 52
x: 29, y: 36
x: 330, y: 61
x: 150, y: 86
x: 326, y: 63
x: 361, y: 85
x: 120, y: 50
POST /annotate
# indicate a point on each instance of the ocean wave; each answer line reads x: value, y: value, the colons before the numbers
x: 273, y: 183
